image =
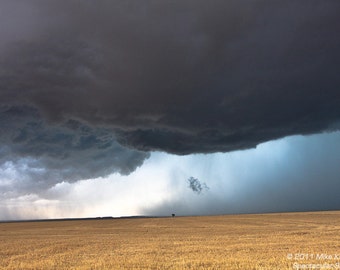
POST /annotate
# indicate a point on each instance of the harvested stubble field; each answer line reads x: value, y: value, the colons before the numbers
x: 264, y: 241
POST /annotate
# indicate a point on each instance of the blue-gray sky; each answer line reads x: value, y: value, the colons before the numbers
x: 95, y: 96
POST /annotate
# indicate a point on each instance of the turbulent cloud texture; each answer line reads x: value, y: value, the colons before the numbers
x: 86, y: 85
x: 48, y: 154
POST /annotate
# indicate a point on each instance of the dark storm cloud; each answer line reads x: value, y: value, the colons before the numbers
x: 43, y: 155
x: 175, y: 76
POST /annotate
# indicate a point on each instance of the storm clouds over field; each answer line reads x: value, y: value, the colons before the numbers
x: 103, y: 90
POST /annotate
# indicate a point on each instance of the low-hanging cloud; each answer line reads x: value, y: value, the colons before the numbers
x: 96, y: 83
x: 36, y: 156
x: 196, y: 185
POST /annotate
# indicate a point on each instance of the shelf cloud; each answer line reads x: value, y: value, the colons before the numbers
x: 90, y: 88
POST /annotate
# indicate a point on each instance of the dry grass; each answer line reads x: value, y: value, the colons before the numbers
x: 216, y: 242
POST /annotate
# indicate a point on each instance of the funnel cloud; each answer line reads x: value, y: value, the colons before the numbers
x: 196, y: 186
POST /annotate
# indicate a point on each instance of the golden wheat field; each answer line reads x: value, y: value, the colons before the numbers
x: 263, y: 241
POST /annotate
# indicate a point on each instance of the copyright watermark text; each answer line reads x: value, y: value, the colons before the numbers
x: 312, y: 256
x: 326, y: 261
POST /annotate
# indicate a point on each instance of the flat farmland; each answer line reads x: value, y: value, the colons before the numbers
x: 262, y: 241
